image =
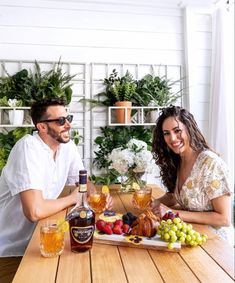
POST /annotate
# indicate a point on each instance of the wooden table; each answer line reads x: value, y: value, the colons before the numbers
x: 213, y: 262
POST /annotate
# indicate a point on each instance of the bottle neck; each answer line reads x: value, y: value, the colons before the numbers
x: 82, y: 188
x: 83, y: 198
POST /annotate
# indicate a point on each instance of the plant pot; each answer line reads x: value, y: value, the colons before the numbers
x: 123, y: 115
x: 16, y: 117
x: 151, y: 116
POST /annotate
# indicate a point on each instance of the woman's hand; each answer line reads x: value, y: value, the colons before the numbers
x: 109, y: 202
x: 159, y: 208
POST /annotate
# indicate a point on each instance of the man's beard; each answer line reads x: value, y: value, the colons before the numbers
x: 56, y: 136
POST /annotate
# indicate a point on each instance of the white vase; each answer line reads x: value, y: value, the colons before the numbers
x: 16, y: 117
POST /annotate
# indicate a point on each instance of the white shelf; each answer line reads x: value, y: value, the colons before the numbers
x: 15, y: 108
x: 4, y: 118
x: 139, y: 118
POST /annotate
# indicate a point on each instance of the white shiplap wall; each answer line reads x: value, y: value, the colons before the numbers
x: 113, y: 32
x: 91, y: 32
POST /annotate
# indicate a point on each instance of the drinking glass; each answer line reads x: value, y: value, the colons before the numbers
x: 141, y: 198
x: 51, y: 239
x: 97, y: 200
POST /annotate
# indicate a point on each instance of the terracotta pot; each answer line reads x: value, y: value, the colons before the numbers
x: 123, y: 116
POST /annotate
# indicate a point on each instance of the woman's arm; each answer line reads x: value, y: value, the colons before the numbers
x: 220, y: 216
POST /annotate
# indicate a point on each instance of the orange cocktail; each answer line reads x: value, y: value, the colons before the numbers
x: 51, y: 240
x: 97, y: 201
x: 142, y: 198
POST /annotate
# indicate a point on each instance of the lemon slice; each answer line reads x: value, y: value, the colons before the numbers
x: 110, y: 218
x: 105, y: 190
x: 63, y: 225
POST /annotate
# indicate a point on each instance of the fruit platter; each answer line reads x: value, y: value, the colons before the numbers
x: 146, y: 231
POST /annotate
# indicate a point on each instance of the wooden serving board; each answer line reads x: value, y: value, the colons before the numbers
x: 154, y: 243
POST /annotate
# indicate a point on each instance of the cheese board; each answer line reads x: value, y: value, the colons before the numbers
x: 154, y: 243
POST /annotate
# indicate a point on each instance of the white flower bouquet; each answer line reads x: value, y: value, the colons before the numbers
x: 135, y: 156
x: 132, y: 161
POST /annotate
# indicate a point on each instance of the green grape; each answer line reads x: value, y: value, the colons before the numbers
x: 182, y: 239
x: 191, y: 232
x: 188, y: 238
x: 170, y: 246
x: 169, y: 221
x: 166, y: 229
x: 182, y: 234
x: 199, y: 240
x: 197, y: 234
x: 176, y: 220
x: 184, y: 230
x: 166, y: 236
x: 179, y: 226
x: 192, y: 243
x: 178, y: 233
x: 193, y: 237
x: 172, y: 233
x: 204, y: 239
x: 177, y: 230
x: 174, y: 228
x: 184, y: 225
x: 189, y: 227
x: 173, y: 239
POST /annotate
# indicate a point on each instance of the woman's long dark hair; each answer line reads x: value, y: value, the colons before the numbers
x: 164, y: 157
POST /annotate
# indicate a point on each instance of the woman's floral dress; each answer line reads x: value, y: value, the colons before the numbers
x: 207, y: 180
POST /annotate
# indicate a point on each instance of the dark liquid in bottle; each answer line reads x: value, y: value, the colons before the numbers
x: 82, y: 227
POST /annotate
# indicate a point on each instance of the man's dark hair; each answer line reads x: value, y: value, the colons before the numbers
x: 39, y: 108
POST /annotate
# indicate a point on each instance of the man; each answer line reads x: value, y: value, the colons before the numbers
x: 37, y: 169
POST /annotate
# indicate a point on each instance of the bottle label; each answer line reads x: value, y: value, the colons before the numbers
x: 83, y: 188
x: 82, y: 235
x: 83, y: 214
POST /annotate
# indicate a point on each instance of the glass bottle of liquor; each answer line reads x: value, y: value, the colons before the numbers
x: 81, y: 219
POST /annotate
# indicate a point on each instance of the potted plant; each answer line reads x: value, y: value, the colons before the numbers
x: 156, y: 91
x: 16, y: 116
x: 25, y: 87
x: 28, y: 86
x: 120, y: 92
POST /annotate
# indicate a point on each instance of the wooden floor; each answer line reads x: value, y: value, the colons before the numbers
x: 8, y: 268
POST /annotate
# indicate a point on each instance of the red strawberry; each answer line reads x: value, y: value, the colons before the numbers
x: 110, y: 224
x: 107, y: 229
x: 100, y: 224
x: 118, y: 222
x: 125, y: 228
x: 117, y: 230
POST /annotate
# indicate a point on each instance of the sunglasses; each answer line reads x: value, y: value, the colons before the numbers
x: 61, y: 120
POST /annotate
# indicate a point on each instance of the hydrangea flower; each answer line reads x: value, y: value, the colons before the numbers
x: 135, y: 157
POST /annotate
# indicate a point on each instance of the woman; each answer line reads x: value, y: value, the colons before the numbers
x: 194, y: 175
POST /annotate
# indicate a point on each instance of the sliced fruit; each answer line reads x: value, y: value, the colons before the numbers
x: 63, y: 225
x: 105, y: 190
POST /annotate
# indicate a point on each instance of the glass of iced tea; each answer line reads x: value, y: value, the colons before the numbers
x: 51, y: 239
x: 97, y: 200
x: 142, y: 198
